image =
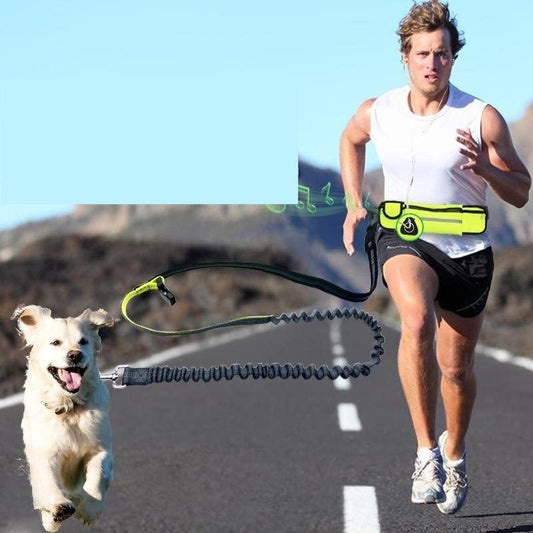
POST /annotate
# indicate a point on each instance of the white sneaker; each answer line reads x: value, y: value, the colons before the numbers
x: 456, y: 483
x: 428, y: 477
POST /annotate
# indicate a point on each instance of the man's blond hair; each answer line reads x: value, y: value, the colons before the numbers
x: 429, y: 16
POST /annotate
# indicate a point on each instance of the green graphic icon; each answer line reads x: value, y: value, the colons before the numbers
x: 409, y: 227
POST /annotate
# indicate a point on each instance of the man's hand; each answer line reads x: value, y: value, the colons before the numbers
x: 498, y: 164
x: 478, y: 160
x: 353, y: 218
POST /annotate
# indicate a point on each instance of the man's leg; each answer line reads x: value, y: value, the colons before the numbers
x: 413, y: 286
x: 456, y: 341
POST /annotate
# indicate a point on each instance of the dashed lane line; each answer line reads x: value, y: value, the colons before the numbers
x: 348, y: 417
x: 341, y: 383
x: 360, y: 503
x: 360, y: 510
x: 338, y: 350
x: 335, y: 333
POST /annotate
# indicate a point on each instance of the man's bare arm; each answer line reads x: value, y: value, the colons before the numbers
x: 352, y: 163
x: 497, y: 161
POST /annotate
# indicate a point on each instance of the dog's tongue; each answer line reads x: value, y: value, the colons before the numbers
x: 72, y: 380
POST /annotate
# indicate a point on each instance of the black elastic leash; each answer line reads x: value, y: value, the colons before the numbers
x: 124, y: 375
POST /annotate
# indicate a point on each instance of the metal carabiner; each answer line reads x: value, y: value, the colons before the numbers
x: 117, y: 377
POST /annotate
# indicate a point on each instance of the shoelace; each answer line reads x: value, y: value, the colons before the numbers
x: 427, y: 474
x: 455, y: 478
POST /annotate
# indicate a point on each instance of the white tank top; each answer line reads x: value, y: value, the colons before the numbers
x: 425, y: 149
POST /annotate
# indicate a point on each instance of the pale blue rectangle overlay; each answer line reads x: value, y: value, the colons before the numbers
x: 124, y: 102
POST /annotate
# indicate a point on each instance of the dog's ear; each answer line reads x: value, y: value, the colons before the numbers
x: 97, y: 319
x: 28, y: 318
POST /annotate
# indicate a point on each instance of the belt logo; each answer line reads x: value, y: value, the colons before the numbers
x: 409, y: 227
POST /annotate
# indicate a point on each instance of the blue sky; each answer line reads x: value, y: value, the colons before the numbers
x: 111, y: 101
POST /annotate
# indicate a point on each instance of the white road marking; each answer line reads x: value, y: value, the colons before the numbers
x: 337, y: 349
x: 335, y: 336
x: 503, y: 356
x: 341, y: 383
x: 15, y: 399
x: 335, y: 333
x: 348, y: 417
x: 360, y: 510
x: 341, y: 361
x: 360, y: 503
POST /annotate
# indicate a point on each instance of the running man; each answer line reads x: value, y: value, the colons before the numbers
x: 437, y: 145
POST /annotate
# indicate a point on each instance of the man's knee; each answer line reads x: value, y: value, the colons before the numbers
x: 418, y: 325
x: 458, y: 372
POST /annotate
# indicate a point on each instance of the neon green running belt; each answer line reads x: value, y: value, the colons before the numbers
x: 410, y: 221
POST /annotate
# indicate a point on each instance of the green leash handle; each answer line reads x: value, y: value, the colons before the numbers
x: 157, y: 283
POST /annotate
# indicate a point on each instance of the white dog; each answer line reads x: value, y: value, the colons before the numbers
x: 67, y: 433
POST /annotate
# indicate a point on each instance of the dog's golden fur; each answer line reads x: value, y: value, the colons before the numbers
x: 66, y: 428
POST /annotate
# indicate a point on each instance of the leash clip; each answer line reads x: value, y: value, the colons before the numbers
x: 117, y: 377
x: 164, y: 292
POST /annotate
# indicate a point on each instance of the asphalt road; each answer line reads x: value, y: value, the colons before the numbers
x: 270, y: 456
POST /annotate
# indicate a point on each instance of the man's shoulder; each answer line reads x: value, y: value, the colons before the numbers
x: 391, y: 101
x: 461, y: 98
x: 393, y: 94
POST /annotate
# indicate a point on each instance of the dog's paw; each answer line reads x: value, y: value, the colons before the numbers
x: 63, y: 511
x: 89, y: 510
x: 53, y: 518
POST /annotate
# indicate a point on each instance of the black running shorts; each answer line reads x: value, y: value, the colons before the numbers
x: 464, y: 282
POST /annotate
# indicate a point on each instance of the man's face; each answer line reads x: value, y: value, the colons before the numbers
x: 430, y: 61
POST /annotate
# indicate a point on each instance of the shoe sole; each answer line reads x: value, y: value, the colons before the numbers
x: 420, y: 500
x: 445, y: 511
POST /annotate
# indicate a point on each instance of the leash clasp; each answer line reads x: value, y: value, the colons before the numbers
x: 164, y: 292
x: 117, y: 377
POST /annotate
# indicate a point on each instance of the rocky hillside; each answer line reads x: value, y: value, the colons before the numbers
x: 72, y: 273
x: 315, y: 240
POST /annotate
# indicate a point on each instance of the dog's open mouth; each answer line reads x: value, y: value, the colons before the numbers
x: 69, y: 378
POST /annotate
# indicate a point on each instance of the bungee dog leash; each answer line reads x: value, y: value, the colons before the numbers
x: 408, y: 220
x: 125, y: 375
